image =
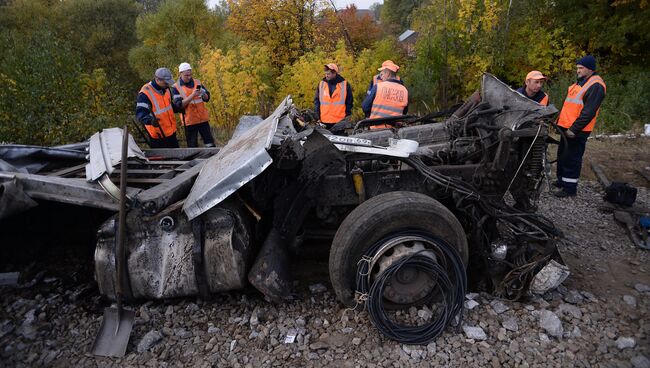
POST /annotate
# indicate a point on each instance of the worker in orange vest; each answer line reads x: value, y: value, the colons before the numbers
x: 333, y: 102
x: 533, y: 87
x: 576, y: 122
x: 155, y: 110
x: 388, y: 98
x: 377, y: 77
x: 192, y: 95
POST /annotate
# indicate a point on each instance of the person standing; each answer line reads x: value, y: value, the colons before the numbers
x: 377, y: 77
x: 192, y: 95
x: 154, y: 109
x: 576, y: 122
x: 533, y: 87
x: 334, y: 99
x: 388, y: 98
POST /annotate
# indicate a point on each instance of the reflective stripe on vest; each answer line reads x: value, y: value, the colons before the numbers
x: 390, y: 100
x: 332, y: 108
x: 574, y: 103
x: 162, y: 110
x: 195, y: 112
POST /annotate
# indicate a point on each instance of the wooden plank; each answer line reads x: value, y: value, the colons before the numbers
x: 154, y: 171
x: 644, y: 174
x: 68, y: 170
x: 140, y: 180
x: 598, y: 171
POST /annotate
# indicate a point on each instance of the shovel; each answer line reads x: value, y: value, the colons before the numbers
x: 114, y: 333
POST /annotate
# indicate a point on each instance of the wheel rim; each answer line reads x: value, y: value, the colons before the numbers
x: 408, y: 286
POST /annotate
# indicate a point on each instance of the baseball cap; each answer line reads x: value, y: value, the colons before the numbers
x: 164, y: 74
x: 183, y: 67
x: 535, y: 74
x: 388, y: 64
x: 332, y: 66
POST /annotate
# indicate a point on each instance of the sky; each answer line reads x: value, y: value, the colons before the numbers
x: 361, y: 4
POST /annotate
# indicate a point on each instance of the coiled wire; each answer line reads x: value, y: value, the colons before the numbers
x: 446, y: 270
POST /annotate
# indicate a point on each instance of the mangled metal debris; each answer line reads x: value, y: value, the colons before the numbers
x: 429, y: 192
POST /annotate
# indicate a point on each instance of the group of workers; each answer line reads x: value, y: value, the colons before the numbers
x: 161, y: 98
x: 576, y: 121
x: 386, y: 96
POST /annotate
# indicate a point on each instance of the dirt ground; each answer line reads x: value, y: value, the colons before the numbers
x: 604, y: 269
x: 621, y: 158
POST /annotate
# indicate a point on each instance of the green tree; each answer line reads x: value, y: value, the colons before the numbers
x: 103, y: 31
x: 396, y: 14
x: 53, y: 94
x: 175, y: 33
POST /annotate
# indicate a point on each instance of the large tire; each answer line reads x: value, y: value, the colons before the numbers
x: 380, y: 217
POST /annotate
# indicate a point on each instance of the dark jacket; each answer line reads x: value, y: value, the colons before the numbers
x: 592, y: 99
x: 349, y: 98
x: 366, y: 106
x: 143, y: 111
x: 537, y: 97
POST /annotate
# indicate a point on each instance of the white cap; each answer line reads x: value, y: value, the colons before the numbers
x: 183, y: 67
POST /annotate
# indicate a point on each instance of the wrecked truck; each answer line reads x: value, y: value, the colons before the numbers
x: 414, y: 212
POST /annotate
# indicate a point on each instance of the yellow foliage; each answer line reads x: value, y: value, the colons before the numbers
x: 284, y: 26
x: 240, y: 82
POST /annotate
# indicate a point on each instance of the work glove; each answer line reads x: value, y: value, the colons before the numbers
x: 154, y: 122
x: 570, y: 133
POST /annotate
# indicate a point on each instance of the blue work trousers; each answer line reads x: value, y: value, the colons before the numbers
x: 569, y: 161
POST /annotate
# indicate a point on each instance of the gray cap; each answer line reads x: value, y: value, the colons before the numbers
x: 164, y: 74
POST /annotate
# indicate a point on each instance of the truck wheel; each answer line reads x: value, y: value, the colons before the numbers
x: 405, y: 222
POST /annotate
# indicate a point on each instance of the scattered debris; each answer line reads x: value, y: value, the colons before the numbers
x: 291, y: 337
x: 9, y: 278
x: 550, y: 322
x: 149, y: 340
x: 317, y: 288
x: 475, y: 333
x: 642, y: 288
x: 549, y: 278
x: 625, y: 343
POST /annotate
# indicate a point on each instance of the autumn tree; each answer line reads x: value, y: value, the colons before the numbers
x: 360, y: 31
x: 284, y: 26
x: 241, y: 81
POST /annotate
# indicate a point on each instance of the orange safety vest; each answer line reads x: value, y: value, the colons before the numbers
x: 376, y: 79
x: 332, y: 108
x: 195, y: 111
x: 161, y: 105
x: 390, y: 100
x: 544, y: 101
x: 573, y: 104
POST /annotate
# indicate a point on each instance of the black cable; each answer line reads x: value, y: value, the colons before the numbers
x: 448, y: 274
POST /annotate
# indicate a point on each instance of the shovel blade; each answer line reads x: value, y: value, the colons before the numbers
x: 114, y: 333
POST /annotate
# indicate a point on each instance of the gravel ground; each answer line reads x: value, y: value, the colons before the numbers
x: 599, y: 317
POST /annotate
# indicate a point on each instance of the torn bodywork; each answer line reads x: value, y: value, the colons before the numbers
x: 202, y: 221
